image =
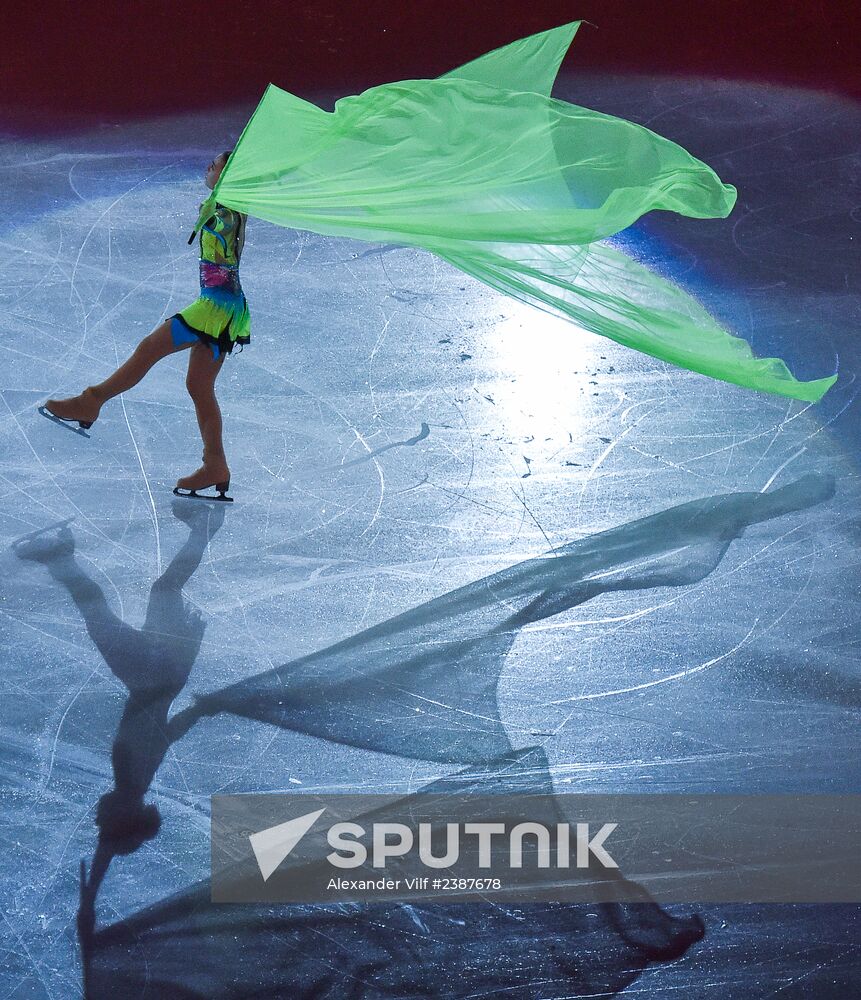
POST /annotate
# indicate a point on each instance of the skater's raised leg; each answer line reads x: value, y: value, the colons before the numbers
x: 85, y: 407
x: 203, y: 370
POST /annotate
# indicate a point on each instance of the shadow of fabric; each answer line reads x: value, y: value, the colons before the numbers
x: 362, y: 951
x: 432, y: 672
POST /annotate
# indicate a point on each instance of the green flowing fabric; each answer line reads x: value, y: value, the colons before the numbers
x: 483, y: 168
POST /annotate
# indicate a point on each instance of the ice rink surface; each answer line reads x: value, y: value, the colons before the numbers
x: 467, y: 537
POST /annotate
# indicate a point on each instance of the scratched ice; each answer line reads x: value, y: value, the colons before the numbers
x: 468, y: 538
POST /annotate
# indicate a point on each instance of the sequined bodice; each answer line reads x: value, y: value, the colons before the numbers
x: 221, y: 238
x: 221, y: 276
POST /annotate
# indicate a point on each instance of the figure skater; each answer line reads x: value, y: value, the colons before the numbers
x: 211, y: 325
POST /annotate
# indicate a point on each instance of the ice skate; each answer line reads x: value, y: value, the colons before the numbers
x: 215, y: 475
x: 83, y: 410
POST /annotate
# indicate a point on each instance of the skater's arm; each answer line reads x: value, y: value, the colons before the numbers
x: 240, y: 239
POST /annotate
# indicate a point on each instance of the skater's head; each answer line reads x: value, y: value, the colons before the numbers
x: 213, y: 171
x: 125, y: 821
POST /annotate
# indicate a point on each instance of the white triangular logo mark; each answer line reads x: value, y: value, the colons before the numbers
x: 271, y: 846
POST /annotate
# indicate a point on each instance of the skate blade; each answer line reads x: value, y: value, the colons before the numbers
x: 66, y: 422
x: 194, y: 495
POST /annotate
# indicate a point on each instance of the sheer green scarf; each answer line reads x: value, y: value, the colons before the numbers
x: 483, y: 168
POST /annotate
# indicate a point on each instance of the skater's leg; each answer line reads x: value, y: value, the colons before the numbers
x: 152, y: 348
x: 86, y: 406
x: 200, y: 382
x: 203, y: 370
x: 114, y: 639
x: 167, y: 611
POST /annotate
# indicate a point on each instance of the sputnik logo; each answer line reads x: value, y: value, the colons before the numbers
x: 272, y: 845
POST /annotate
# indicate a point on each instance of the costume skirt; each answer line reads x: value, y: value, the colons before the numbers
x: 219, y: 317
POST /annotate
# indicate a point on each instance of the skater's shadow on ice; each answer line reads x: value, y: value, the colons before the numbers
x: 153, y: 662
x: 437, y: 667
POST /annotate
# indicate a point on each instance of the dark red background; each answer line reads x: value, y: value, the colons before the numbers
x: 139, y: 58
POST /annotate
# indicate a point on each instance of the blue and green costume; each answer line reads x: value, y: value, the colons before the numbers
x: 219, y: 317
